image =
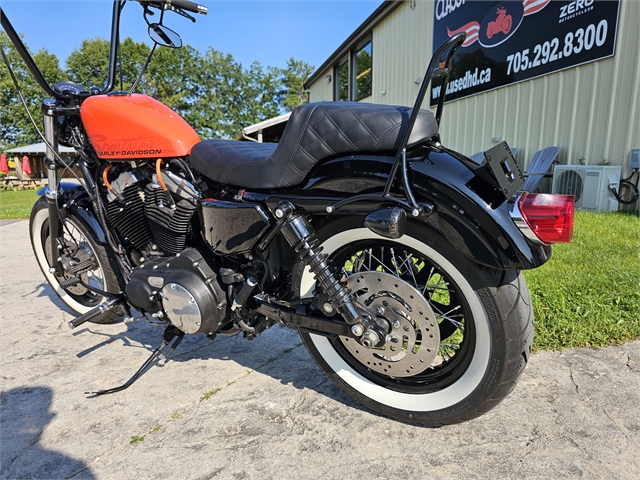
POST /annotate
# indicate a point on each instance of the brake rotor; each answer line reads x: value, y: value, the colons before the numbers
x: 414, y: 336
x: 73, y: 289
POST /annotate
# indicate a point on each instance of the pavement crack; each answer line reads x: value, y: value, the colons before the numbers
x: 573, y: 380
x: 77, y: 472
x: 286, y: 351
x: 628, y: 364
x: 35, y: 442
x: 199, y: 347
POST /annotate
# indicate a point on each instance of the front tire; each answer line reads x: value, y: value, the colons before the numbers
x: 484, y: 316
x: 104, y: 277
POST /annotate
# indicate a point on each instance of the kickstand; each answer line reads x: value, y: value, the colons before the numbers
x: 171, y: 334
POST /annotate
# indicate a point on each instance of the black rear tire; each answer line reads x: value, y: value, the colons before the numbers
x: 484, y: 346
x: 104, y: 276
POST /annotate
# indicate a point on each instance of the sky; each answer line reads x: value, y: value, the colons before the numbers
x: 265, y: 31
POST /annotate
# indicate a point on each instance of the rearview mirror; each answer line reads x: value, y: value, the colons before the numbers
x: 164, y: 36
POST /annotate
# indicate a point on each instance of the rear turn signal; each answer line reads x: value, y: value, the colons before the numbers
x: 548, y: 217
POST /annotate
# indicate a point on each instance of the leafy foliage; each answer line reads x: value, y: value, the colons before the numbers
x: 293, y: 78
x: 89, y: 64
x: 212, y: 91
x: 15, y: 126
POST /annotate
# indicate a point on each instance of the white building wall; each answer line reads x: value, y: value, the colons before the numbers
x: 321, y: 89
x: 591, y: 112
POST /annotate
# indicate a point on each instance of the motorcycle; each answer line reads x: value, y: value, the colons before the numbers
x: 502, y: 23
x: 398, y: 259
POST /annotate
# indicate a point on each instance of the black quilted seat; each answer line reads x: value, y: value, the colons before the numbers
x: 315, y: 132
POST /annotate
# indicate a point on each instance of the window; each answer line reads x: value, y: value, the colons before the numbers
x: 353, y: 74
x: 342, y: 81
x: 363, y: 72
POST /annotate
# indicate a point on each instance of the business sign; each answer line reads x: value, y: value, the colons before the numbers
x: 512, y: 41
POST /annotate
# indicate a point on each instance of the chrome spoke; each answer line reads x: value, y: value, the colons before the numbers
x: 426, y: 284
x: 410, y: 267
x: 394, y: 262
x: 379, y: 261
x: 444, y: 354
x: 452, y: 310
x: 359, y: 262
x: 458, y: 325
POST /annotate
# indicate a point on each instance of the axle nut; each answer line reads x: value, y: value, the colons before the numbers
x: 357, y: 330
x: 370, y: 339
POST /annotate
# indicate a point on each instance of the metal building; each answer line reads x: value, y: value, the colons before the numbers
x: 586, y: 104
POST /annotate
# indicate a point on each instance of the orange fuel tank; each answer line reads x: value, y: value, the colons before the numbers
x: 129, y: 126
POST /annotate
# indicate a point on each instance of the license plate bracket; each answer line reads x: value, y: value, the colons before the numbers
x: 504, y: 169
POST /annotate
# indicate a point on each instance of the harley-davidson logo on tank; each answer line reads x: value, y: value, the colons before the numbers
x: 512, y: 41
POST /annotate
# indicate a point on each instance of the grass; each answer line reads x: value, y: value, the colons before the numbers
x: 209, y: 394
x: 588, y: 293
x: 18, y: 204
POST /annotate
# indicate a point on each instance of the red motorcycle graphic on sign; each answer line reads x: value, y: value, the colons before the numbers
x: 501, y: 24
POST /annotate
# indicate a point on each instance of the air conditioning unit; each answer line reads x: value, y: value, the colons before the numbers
x: 590, y: 184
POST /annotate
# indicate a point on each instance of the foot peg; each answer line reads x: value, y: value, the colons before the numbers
x: 171, y: 334
x: 98, y: 312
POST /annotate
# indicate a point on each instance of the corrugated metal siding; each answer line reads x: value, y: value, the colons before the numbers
x: 401, y: 51
x: 591, y: 112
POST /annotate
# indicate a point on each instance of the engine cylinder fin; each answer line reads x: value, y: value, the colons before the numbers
x: 170, y: 226
x: 129, y: 218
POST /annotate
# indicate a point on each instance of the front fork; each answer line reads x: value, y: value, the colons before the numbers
x: 51, y: 192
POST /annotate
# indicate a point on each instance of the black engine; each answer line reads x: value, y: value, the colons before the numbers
x: 155, y: 223
x: 153, y: 220
x: 185, y: 287
x: 150, y: 219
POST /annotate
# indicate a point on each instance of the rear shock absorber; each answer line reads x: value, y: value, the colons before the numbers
x: 299, y: 234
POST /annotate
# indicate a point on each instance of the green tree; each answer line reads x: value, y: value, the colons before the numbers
x: 174, y: 77
x: 15, y: 127
x: 293, y: 78
x: 231, y: 98
x: 258, y: 95
x: 211, y: 91
x: 89, y: 64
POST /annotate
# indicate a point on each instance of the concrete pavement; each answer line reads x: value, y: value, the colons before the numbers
x: 263, y: 409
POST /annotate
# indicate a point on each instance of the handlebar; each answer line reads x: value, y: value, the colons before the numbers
x: 28, y: 59
x: 115, y: 23
x: 188, y: 6
x: 181, y: 4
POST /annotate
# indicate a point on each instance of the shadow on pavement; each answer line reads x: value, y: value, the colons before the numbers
x: 259, y: 354
x: 25, y: 413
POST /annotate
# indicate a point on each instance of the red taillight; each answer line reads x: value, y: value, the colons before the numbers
x: 550, y: 217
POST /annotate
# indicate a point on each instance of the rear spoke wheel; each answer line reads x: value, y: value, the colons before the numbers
x: 462, y: 332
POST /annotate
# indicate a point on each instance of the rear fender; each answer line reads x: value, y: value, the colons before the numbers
x: 472, y: 215
x: 468, y: 213
x: 76, y: 199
